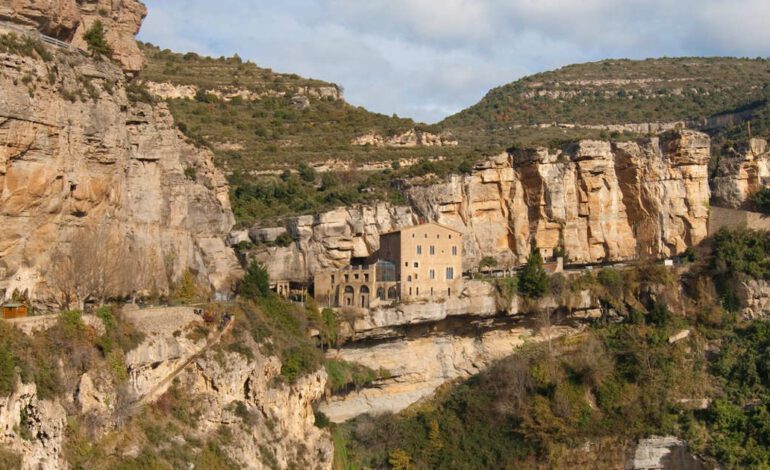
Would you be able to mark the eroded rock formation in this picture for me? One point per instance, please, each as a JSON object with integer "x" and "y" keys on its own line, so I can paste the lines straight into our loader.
{"x": 68, "y": 20}
{"x": 741, "y": 172}
{"x": 33, "y": 428}
{"x": 598, "y": 201}
{"x": 410, "y": 138}
{"x": 78, "y": 157}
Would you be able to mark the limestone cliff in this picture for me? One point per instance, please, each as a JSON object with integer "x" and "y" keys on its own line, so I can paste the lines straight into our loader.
{"x": 596, "y": 200}
{"x": 741, "y": 172}
{"x": 33, "y": 428}
{"x": 77, "y": 156}
{"x": 68, "y": 20}
{"x": 461, "y": 336}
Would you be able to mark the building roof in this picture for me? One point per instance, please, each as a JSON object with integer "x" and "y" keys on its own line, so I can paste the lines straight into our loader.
{"x": 412, "y": 227}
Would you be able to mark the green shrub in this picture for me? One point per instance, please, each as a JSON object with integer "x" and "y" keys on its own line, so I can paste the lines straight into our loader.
{"x": 7, "y": 370}
{"x": 256, "y": 283}
{"x": 307, "y": 173}
{"x": 284, "y": 240}
{"x": 344, "y": 375}
{"x": 191, "y": 173}
{"x": 299, "y": 361}
{"x": 96, "y": 41}
{"x": 487, "y": 263}
{"x": 761, "y": 200}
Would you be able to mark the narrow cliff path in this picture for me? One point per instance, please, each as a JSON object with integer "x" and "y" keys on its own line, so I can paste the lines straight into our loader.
{"x": 161, "y": 387}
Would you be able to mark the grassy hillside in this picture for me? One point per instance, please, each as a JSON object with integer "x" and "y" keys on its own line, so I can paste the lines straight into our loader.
{"x": 617, "y": 92}
{"x": 274, "y": 130}
{"x": 276, "y": 133}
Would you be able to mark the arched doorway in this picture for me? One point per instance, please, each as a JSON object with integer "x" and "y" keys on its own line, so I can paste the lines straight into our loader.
{"x": 392, "y": 293}
{"x": 348, "y": 297}
{"x": 364, "y": 296}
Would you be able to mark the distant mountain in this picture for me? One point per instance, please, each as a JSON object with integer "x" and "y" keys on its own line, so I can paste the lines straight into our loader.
{"x": 257, "y": 119}
{"x": 612, "y": 92}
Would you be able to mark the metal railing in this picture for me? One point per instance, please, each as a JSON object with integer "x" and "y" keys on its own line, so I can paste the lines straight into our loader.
{"x": 35, "y": 34}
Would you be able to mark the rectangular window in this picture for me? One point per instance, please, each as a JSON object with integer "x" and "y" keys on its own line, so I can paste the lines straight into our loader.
{"x": 347, "y": 277}
{"x": 416, "y": 264}
{"x": 417, "y": 291}
{"x": 454, "y": 251}
{"x": 406, "y": 264}
{"x": 332, "y": 278}
{"x": 419, "y": 249}
{"x": 432, "y": 250}
{"x": 355, "y": 276}
{"x": 450, "y": 273}
{"x": 432, "y": 274}
{"x": 366, "y": 277}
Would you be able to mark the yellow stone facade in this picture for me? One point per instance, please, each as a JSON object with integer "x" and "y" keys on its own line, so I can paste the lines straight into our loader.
{"x": 422, "y": 262}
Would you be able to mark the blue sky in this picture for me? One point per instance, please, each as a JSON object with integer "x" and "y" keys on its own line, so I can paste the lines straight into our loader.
{"x": 427, "y": 59}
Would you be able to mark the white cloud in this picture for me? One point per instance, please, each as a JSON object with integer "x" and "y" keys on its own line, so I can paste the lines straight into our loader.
{"x": 430, "y": 58}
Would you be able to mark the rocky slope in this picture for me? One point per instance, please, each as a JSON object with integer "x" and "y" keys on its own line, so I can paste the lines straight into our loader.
{"x": 79, "y": 159}
{"x": 599, "y": 201}
{"x": 268, "y": 423}
{"x": 68, "y": 20}
{"x": 42, "y": 422}
{"x": 741, "y": 172}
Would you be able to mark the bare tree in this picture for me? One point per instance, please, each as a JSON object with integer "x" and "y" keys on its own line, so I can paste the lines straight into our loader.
{"x": 97, "y": 266}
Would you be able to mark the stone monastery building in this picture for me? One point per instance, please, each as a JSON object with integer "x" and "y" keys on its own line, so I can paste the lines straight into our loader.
{"x": 422, "y": 262}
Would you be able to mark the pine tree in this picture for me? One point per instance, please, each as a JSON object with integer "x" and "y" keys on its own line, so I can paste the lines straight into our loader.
{"x": 96, "y": 41}
{"x": 533, "y": 282}
{"x": 256, "y": 282}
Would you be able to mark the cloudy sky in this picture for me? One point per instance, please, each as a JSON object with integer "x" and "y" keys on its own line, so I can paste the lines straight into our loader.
{"x": 427, "y": 59}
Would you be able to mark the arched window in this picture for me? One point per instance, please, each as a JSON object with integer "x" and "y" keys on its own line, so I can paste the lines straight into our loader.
{"x": 364, "y": 296}
{"x": 392, "y": 293}
{"x": 349, "y": 296}
{"x": 409, "y": 278}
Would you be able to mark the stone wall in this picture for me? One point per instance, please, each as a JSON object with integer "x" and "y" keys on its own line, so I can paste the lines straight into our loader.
{"x": 737, "y": 218}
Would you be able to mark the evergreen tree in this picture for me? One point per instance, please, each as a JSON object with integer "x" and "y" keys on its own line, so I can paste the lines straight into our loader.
{"x": 256, "y": 282}
{"x": 96, "y": 41}
{"x": 533, "y": 281}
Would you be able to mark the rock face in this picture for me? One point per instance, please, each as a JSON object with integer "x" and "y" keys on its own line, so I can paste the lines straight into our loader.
{"x": 410, "y": 138}
{"x": 419, "y": 366}
{"x": 754, "y": 296}
{"x": 77, "y": 156}
{"x": 423, "y": 345}
{"x": 282, "y": 434}
{"x": 55, "y": 18}
{"x": 68, "y": 20}
{"x": 664, "y": 453}
{"x": 741, "y": 172}
{"x": 330, "y": 239}
{"x": 596, "y": 200}
{"x": 33, "y": 428}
